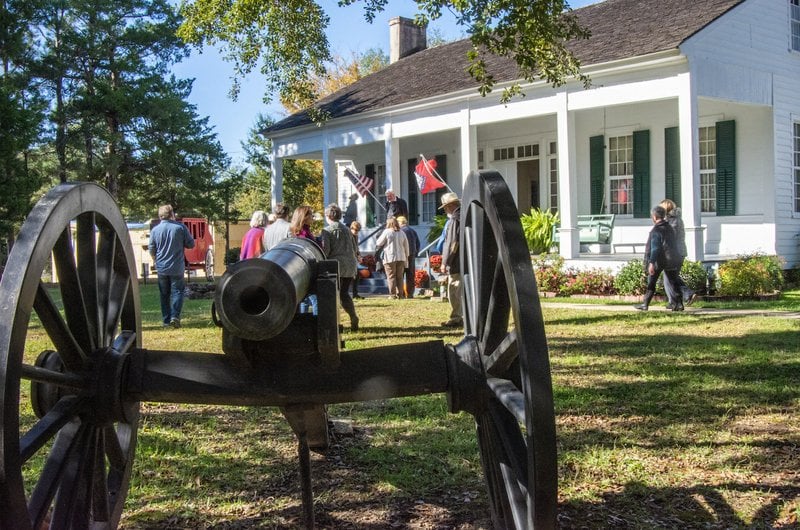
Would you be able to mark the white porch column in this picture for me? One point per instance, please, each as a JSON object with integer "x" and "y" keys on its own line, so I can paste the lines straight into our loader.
{"x": 690, "y": 167}
{"x": 330, "y": 178}
{"x": 570, "y": 246}
{"x": 276, "y": 180}
{"x": 391, "y": 150}
{"x": 469, "y": 147}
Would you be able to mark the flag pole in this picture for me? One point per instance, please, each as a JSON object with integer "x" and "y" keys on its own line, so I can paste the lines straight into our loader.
{"x": 435, "y": 173}
{"x": 370, "y": 193}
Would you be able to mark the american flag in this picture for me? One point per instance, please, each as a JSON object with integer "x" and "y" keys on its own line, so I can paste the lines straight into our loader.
{"x": 362, "y": 183}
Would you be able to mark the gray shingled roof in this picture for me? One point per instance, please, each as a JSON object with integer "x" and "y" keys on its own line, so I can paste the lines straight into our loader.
{"x": 619, "y": 29}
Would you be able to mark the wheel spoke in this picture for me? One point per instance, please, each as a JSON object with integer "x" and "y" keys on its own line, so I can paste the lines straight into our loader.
{"x": 113, "y": 448}
{"x": 501, "y": 359}
{"x": 52, "y": 473}
{"x": 60, "y": 379}
{"x": 116, "y": 303}
{"x": 106, "y": 257}
{"x": 70, "y": 503}
{"x": 514, "y": 447}
{"x": 43, "y": 430}
{"x": 99, "y": 481}
{"x": 86, "y": 252}
{"x": 509, "y": 396}
{"x": 71, "y": 292}
{"x": 70, "y": 351}
{"x": 498, "y": 309}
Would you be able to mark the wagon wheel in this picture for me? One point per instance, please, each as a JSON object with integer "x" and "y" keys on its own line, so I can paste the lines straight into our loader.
{"x": 504, "y": 372}
{"x": 67, "y": 445}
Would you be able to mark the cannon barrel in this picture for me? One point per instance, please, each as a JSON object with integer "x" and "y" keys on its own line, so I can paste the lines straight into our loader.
{"x": 256, "y": 298}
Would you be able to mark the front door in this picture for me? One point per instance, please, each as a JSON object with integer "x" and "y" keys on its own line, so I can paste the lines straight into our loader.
{"x": 528, "y": 194}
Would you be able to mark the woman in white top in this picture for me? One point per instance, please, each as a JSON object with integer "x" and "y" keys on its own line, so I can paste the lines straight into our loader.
{"x": 395, "y": 256}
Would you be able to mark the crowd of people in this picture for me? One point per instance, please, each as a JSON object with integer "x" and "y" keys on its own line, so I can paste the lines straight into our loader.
{"x": 397, "y": 247}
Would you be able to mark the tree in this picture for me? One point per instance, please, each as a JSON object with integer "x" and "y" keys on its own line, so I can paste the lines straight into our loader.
{"x": 174, "y": 158}
{"x": 20, "y": 116}
{"x": 255, "y": 190}
{"x": 287, "y": 42}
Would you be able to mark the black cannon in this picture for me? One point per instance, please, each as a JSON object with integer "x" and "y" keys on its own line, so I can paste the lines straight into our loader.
{"x": 67, "y": 464}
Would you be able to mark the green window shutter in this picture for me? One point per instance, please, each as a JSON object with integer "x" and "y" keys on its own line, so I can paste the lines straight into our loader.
{"x": 413, "y": 193}
{"x": 641, "y": 174}
{"x": 597, "y": 172}
{"x": 369, "y": 170}
{"x": 672, "y": 165}
{"x": 726, "y": 167}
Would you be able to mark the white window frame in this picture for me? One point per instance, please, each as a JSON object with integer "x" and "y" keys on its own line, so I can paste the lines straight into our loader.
{"x": 707, "y": 153}
{"x": 620, "y": 174}
{"x": 796, "y": 165}
{"x": 794, "y": 25}
{"x": 429, "y": 207}
{"x": 552, "y": 174}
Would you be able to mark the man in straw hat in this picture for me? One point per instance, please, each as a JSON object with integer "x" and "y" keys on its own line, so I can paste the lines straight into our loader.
{"x": 451, "y": 205}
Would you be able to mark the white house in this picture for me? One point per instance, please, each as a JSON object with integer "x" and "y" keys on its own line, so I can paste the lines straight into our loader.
{"x": 694, "y": 100}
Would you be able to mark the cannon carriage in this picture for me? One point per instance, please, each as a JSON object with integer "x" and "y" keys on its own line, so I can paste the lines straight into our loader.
{"x": 68, "y": 443}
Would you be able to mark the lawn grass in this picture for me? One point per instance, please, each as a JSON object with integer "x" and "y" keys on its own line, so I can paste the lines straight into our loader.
{"x": 664, "y": 421}
{"x": 789, "y": 300}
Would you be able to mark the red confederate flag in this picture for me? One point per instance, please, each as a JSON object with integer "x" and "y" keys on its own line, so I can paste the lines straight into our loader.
{"x": 426, "y": 180}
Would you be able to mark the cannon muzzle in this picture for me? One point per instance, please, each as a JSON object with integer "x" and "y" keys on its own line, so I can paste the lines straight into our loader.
{"x": 256, "y": 298}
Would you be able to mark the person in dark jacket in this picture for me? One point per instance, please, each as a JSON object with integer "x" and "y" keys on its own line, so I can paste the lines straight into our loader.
{"x": 660, "y": 254}
{"x": 451, "y": 265}
{"x": 675, "y": 221}
{"x": 413, "y": 249}
{"x": 337, "y": 243}
{"x": 395, "y": 206}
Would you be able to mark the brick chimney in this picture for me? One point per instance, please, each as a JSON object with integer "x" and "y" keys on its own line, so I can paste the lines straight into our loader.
{"x": 405, "y": 38}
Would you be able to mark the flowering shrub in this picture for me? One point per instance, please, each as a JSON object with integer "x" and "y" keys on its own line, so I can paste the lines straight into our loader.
{"x": 592, "y": 281}
{"x": 549, "y": 272}
{"x": 421, "y": 278}
{"x": 436, "y": 261}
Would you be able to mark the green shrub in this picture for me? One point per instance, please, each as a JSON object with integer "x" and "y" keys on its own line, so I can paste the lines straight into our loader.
{"x": 750, "y": 275}
{"x": 630, "y": 279}
{"x": 436, "y": 229}
{"x": 538, "y": 229}
{"x": 590, "y": 281}
{"x": 694, "y": 276}
{"x": 549, "y": 272}
{"x": 232, "y": 255}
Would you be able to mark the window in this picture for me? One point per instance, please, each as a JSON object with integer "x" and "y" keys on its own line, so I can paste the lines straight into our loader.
{"x": 708, "y": 169}
{"x": 552, "y": 169}
{"x": 620, "y": 174}
{"x": 796, "y": 166}
{"x": 480, "y": 159}
{"x": 528, "y": 151}
{"x": 795, "y": 20}
{"x": 504, "y": 153}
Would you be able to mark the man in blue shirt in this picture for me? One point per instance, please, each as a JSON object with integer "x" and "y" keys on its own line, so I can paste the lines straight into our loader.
{"x": 167, "y": 241}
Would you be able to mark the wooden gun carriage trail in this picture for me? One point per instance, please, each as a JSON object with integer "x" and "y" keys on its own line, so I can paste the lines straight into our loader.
{"x": 67, "y": 464}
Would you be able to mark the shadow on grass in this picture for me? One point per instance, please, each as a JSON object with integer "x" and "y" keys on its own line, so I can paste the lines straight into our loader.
{"x": 638, "y": 505}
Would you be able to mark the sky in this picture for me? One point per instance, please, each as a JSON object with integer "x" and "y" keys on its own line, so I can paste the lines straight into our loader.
{"x": 348, "y": 32}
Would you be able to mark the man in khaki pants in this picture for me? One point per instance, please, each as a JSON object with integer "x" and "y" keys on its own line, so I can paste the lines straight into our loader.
{"x": 450, "y": 258}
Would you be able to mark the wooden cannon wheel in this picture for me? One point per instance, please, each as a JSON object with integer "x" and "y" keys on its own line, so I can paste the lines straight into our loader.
{"x": 503, "y": 376}
{"x": 67, "y": 439}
